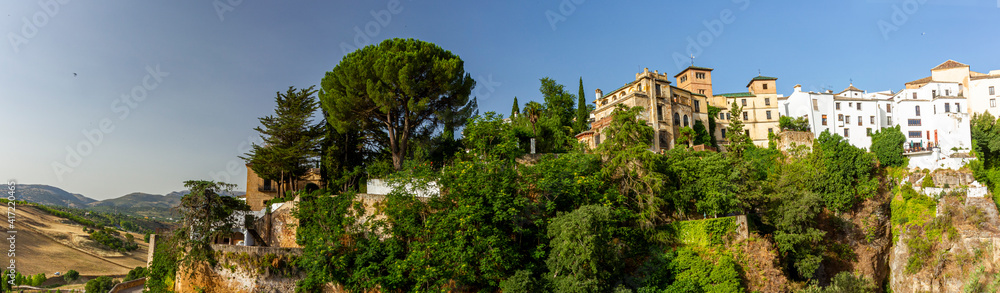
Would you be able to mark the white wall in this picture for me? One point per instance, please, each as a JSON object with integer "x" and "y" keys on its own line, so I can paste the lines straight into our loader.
{"x": 980, "y": 100}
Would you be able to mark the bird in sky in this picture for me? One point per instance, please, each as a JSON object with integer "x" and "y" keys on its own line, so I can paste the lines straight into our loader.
{"x": 74, "y": 74}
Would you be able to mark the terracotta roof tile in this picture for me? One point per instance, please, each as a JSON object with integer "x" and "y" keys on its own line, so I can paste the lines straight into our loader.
{"x": 949, "y": 64}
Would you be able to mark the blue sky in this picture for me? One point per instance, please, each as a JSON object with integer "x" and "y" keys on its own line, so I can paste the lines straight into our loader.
{"x": 220, "y": 64}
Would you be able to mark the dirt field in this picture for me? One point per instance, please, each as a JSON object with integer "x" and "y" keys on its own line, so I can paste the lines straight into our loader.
{"x": 48, "y": 244}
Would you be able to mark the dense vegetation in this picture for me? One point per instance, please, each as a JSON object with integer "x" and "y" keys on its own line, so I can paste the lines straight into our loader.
{"x": 112, "y": 240}
{"x": 579, "y": 221}
{"x": 100, "y": 284}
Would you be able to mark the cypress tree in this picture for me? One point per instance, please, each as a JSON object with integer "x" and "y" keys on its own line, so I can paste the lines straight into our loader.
{"x": 582, "y": 113}
{"x": 514, "y": 111}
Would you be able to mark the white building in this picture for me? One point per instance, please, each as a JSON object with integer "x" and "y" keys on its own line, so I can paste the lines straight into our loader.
{"x": 934, "y": 116}
{"x": 983, "y": 91}
{"x": 852, "y": 113}
{"x": 975, "y": 86}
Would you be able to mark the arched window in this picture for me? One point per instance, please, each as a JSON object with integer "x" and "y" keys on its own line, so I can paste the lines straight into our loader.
{"x": 685, "y": 120}
{"x": 677, "y": 119}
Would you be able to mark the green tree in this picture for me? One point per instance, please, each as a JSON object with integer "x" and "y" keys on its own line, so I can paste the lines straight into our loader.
{"x": 556, "y": 134}
{"x": 100, "y": 284}
{"x": 712, "y": 124}
{"x": 582, "y": 114}
{"x": 291, "y": 139}
{"x": 701, "y": 134}
{"x": 206, "y": 214}
{"x": 136, "y": 273}
{"x": 849, "y": 172}
{"x": 405, "y": 88}
{"x": 795, "y": 209}
{"x": 71, "y": 275}
{"x": 514, "y": 111}
{"x": 38, "y": 279}
{"x": 686, "y": 136}
{"x": 629, "y": 163}
{"x": 581, "y": 259}
{"x": 794, "y": 124}
{"x": 887, "y": 145}
{"x": 533, "y": 110}
{"x": 739, "y": 140}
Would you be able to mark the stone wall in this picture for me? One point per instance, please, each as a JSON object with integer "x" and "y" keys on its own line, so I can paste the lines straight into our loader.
{"x": 234, "y": 275}
{"x": 786, "y": 139}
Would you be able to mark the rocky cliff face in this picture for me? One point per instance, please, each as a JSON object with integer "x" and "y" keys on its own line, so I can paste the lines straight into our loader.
{"x": 957, "y": 251}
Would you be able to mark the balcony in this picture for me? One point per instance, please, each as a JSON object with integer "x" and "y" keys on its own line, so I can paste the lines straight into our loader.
{"x": 266, "y": 188}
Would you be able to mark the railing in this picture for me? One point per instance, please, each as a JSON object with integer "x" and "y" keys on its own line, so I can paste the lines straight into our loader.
{"x": 266, "y": 188}
{"x": 127, "y": 285}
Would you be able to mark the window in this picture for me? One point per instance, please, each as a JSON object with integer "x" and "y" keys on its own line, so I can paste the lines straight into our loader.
{"x": 659, "y": 113}
{"x": 993, "y": 103}
{"x": 824, "y": 120}
{"x": 934, "y": 93}
{"x": 815, "y": 105}
{"x": 913, "y": 122}
{"x": 958, "y": 108}
{"x": 768, "y": 115}
{"x": 914, "y": 95}
{"x": 597, "y": 139}
{"x": 723, "y": 133}
{"x": 947, "y": 107}
{"x": 859, "y": 120}
{"x": 888, "y": 108}
{"x": 840, "y": 117}
{"x": 747, "y": 132}
{"x": 699, "y": 75}
{"x": 657, "y": 90}
{"x": 918, "y": 110}
{"x": 770, "y": 130}
{"x": 869, "y": 131}
{"x": 684, "y": 78}
{"x": 765, "y": 86}
{"x": 701, "y": 92}
{"x": 872, "y": 120}
{"x": 722, "y": 116}
{"x": 697, "y": 106}
{"x": 859, "y": 106}
{"x": 685, "y": 120}
{"x": 991, "y": 91}
{"x": 889, "y": 119}
{"x": 677, "y": 119}
{"x": 767, "y": 101}
{"x": 744, "y": 102}
{"x": 847, "y": 119}
{"x": 838, "y": 106}
{"x": 947, "y": 92}
{"x": 267, "y": 185}
{"x": 914, "y": 134}
{"x": 729, "y": 116}
{"x": 847, "y": 132}
{"x": 745, "y": 116}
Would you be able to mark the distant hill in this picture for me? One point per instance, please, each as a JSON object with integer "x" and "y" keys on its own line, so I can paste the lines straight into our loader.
{"x": 51, "y": 195}
{"x": 135, "y": 204}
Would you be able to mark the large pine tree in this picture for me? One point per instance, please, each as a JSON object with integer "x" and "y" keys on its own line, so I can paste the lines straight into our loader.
{"x": 291, "y": 139}
{"x": 514, "y": 111}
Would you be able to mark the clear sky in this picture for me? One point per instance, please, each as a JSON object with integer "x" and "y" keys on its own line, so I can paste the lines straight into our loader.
{"x": 149, "y": 94}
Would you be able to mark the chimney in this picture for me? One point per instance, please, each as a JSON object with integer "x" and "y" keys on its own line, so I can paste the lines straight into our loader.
{"x": 798, "y": 88}
{"x": 657, "y": 72}
{"x": 599, "y": 93}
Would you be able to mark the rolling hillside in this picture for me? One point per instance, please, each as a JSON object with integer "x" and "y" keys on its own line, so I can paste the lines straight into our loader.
{"x": 51, "y": 195}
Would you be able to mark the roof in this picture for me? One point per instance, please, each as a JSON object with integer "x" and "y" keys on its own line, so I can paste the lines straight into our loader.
{"x": 949, "y": 65}
{"x": 920, "y": 81}
{"x": 693, "y": 67}
{"x": 850, "y": 88}
{"x": 761, "y": 77}
{"x": 618, "y": 89}
{"x": 985, "y": 77}
{"x": 736, "y": 95}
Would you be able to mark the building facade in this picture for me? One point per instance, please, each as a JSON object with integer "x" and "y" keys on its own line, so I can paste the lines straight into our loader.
{"x": 260, "y": 190}
{"x": 853, "y": 114}
{"x": 759, "y": 108}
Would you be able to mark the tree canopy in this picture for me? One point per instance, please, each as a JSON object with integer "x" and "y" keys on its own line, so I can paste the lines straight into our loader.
{"x": 291, "y": 139}
{"x": 406, "y": 89}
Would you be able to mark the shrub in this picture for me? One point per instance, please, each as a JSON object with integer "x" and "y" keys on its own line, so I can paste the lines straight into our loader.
{"x": 100, "y": 284}
{"x": 136, "y": 273}
{"x": 928, "y": 181}
{"x": 887, "y": 145}
{"x": 71, "y": 275}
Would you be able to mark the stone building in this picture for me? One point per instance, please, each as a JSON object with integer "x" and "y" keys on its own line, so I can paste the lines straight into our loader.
{"x": 260, "y": 190}
{"x": 667, "y": 108}
{"x": 760, "y": 108}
